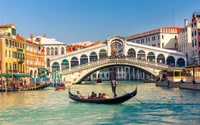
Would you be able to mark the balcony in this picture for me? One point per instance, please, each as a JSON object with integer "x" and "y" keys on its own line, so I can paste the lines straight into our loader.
{"x": 20, "y": 59}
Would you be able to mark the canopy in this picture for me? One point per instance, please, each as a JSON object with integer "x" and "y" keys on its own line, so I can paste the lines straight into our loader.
{"x": 15, "y": 75}
{"x": 6, "y": 75}
{"x": 43, "y": 69}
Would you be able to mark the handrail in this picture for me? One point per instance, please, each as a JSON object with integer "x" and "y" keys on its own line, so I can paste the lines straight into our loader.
{"x": 123, "y": 60}
{"x": 79, "y": 51}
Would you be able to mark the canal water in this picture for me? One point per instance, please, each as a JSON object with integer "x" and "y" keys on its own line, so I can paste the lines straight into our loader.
{"x": 159, "y": 105}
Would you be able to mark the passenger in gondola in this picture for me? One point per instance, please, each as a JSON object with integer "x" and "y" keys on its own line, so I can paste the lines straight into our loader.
{"x": 79, "y": 94}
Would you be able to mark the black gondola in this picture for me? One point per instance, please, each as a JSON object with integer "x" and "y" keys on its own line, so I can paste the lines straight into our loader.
{"x": 40, "y": 87}
{"x": 115, "y": 100}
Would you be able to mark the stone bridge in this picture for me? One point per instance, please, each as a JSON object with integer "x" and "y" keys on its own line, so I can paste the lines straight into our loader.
{"x": 79, "y": 73}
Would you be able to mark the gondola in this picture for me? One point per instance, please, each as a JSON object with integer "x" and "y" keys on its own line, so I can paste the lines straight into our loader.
{"x": 115, "y": 100}
{"x": 60, "y": 87}
{"x": 39, "y": 87}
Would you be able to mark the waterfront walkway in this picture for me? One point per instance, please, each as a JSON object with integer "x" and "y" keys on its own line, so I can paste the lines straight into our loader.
{"x": 180, "y": 86}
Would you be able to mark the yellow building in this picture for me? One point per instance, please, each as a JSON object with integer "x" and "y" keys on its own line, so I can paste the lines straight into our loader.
{"x": 12, "y": 52}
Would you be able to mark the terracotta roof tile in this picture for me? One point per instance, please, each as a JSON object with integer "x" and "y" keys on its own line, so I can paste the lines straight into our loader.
{"x": 6, "y": 25}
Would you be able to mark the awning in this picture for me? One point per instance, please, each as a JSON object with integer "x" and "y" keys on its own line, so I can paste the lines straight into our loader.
{"x": 15, "y": 75}
{"x": 6, "y": 75}
{"x": 21, "y": 75}
{"x": 43, "y": 69}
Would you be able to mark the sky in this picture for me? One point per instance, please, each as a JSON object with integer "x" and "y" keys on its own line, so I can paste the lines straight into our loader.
{"x": 72, "y": 21}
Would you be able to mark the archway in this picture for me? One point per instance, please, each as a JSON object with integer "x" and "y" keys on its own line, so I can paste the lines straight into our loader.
{"x": 74, "y": 61}
{"x": 55, "y": 67}
{"x": 131, "y": 53}
{"x": 117, "y": 48}
{"x": 64, "y": 64}
{"x": 102, "y": 54}
{"x": 180, "y": 62}
{"x": 161, "y": 58}
{"x": 84, "y": 59}
{"x": 93, "y": 56}
{"x": 171, "y": 61}
{"x": 31, "y": 73}
{"x": 151, "y": 56}
{"x": 141, "y": 55}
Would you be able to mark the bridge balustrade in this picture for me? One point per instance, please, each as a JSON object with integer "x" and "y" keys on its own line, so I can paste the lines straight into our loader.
{"x": 123, "y": 60}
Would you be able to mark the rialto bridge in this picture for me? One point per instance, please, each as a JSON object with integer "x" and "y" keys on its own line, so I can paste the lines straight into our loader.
{"x": 115, "y": 51}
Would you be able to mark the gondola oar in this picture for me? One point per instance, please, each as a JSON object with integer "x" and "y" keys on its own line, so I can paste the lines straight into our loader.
{"x": 126, "y": 92}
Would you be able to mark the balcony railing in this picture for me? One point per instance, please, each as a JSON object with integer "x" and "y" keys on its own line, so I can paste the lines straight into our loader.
{"x": 20, "y": 59}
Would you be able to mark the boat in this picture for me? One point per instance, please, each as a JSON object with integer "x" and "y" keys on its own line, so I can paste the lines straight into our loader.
{"x": 60, "y": 87}
{"x": 149, "y": 81}
{"x": 39, "y": 87}
{"x": 116, "y": 100}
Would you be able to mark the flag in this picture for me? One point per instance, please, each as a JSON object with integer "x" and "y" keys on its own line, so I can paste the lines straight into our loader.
{"x": 38, "y": 48}
{"x": 43, "y": 50}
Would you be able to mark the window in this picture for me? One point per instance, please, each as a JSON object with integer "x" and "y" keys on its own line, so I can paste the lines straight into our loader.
{"x": 10, "y": 42}
{"x": 162, "y": 36}
{"x": 48, "y": 53}
{"x": 6, "y": 53}
{"x": 195, "y": 42}
{"x": 158, "y": 37}
{"x": 192, "y": 43}
{"x": 13, "y": 31}
{"x": 62, "y": 50}
{"x": 6, "y": 42}
{"x": 52, "y": 51}
{"x": 56, "y": 51}
{"x": 162, "y": 45}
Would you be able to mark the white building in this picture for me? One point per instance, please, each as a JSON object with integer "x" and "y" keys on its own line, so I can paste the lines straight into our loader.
{"x": 165, "y": 37}
{"x": 189, "y": 39}
{"x": 52, "y": 48}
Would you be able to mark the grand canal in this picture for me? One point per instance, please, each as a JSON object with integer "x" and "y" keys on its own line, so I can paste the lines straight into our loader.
{"x": 159, "y": 106}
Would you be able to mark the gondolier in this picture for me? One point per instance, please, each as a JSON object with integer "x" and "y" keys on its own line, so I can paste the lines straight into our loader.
{"x": 114, "y": 85}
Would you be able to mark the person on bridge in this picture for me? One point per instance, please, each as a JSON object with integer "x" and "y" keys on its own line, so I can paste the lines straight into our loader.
{"x": 114, "y": 85}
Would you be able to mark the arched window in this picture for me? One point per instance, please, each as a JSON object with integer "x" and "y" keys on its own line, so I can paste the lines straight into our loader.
{"x": 48, "y": 51}
{"x": 56, "y": 51}
{"x": 52, "y": 51}
{"x": 48, "y": 62}
{"x": 62, "y": 51}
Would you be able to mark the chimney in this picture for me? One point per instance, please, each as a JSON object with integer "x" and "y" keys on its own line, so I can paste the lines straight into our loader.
{"x": 185, "y": 22}
{"x": 39, "y": 40}
{"x": 31, "y": 37}
{"x": 45, "y": 36}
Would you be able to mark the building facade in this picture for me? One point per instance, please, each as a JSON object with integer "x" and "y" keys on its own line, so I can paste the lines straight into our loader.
{"x": 189, "y": 39}
{"x": 13, "y": 52}
{"x": 165, "y": 37}
{"x": 35, "y": 58}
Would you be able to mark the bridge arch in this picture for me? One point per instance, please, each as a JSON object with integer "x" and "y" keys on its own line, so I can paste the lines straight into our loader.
{"x": 64, "y": 64}
{"x": 180, "y": 62}
{"x": 93, "y": 56}
{"x": 141, "y": 54}
{"x": 74, "y": 61}
{"x": 131, "y": 52}
{"x": 171, "y": 60}
{"x": 55, "y": 67}
{"x": 84, "y": 75}
{"x": 161, "y": 58}
{"x": 151, "y": 56}
{"x": 83, "y": 59}
{"x": 102, "y": 53}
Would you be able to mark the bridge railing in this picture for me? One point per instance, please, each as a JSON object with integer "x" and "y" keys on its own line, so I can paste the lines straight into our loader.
{"x": 122, "y": 60}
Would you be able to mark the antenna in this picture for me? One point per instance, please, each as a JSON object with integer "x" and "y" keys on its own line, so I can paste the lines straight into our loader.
{"x": 172, "y": 18}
